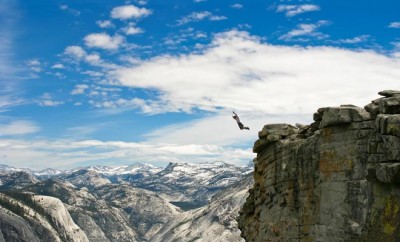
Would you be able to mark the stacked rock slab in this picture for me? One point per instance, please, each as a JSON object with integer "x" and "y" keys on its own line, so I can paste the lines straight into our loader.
{"x": 337, "y": 179}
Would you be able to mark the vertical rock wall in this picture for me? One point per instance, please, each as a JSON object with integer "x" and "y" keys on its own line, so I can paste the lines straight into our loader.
{"x": 337, "y": 179}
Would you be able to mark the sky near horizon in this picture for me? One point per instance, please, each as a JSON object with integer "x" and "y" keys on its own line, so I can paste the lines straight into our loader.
{"x": 116, "y": 82}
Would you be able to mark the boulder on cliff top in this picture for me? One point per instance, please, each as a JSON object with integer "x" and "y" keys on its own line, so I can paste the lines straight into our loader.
{"x": 343, "y": 115}
{"x": 389, "y": 105}
{"x": 281, "y": 129}
{"x": 389, "y": 93}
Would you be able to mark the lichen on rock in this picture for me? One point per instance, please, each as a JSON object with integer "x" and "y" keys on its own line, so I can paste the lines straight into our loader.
{"x": 336, "y": 179}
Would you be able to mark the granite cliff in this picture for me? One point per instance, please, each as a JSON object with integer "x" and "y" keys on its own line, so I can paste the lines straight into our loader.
{"x": 336, "y": 179}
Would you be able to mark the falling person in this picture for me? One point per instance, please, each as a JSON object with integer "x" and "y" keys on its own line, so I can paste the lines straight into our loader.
{"x": 241, "y": 126}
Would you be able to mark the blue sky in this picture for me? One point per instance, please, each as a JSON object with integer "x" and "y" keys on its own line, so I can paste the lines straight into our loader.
{"x": 114, "y": 82}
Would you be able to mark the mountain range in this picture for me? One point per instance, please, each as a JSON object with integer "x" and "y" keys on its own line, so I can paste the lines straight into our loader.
{"x": 139, "y": 202}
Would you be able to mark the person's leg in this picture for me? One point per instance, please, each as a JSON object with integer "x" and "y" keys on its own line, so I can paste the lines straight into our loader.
{"x": 240, "y": 125}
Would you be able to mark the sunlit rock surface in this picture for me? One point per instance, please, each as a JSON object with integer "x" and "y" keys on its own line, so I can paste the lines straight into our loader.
{"x": 336, "y": 179}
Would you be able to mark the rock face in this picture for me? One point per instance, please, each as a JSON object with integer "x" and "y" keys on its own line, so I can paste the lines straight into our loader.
{"x": 212, "y": 223}
{"x": 334, "y": 180}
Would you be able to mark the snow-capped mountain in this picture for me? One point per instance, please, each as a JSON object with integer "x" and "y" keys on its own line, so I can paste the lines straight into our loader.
{"x": 126, "y": 203}
{"x": 193, "y": 184}
{"x": 47, "y": 173}
{"x": 4, "y": 169}
{"x": 136, "y": 168}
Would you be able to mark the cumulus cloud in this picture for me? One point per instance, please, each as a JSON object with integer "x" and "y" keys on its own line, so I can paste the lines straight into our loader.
{"x": 129, "y": 12}
{"x": 293, "y": 10}
{"x": 19, "y": 127}
{"x": 104, "y": 24}
{"x": 79, "y": 89}
{"x": 132, "y": 29}
{"x": 306, "y": 30}
{"x": 395, "y": 25}
{"x": 237, "y": 6}
{"x": 104, "y": 41}
{"x": 75, "y": 52}
{"x": 199, "y": 16}
{"x": 238, "y": 71}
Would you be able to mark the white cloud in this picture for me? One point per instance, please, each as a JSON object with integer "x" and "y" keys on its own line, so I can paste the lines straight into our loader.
{"x": 33, "y": 62}
{"x": 237, "y": 6}
{"x": 46, "y": 100}
{"x": 79, "y": 89}
{"x": 104, "y": 24}
{"x": 355, "y": 40}
{"x": 19, "y": 127}
{"x": 293, "y": 10}
{"x": 131, "y": 29}
{"x": 75, "y": 51}
{"x": 103, "y": 41}
{"x": 199, "y": 16}
{"x": 142, "y": 2}
{"x": 129, "y": 12}
{"x": 92, "y": 58}
{"x": 58, "y": 66}
{"x": 305, "y": 30}
{"x": 238, "y": 71}
{"x": 217, "y": 18}
{"x": 395, "y": 25}
{"x": 34, "y": 65}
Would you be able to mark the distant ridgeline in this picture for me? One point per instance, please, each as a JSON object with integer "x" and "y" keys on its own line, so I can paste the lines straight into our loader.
{"x": 334, "y": 180}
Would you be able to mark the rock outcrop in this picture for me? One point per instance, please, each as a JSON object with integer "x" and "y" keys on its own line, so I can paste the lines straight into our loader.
{"x": 334, "y": 180}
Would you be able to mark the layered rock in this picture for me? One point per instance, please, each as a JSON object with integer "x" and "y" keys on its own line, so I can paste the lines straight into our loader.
{"x": 334, "y": 180}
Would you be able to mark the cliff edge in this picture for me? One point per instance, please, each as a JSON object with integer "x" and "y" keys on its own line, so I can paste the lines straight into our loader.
{"x": 334, "y": 180}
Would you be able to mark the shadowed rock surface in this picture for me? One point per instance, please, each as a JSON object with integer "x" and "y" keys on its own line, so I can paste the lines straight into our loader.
{"x": 336, "y": 179}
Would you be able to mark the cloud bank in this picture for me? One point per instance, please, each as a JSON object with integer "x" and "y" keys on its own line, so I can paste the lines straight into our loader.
{"x": 238, "y": 71}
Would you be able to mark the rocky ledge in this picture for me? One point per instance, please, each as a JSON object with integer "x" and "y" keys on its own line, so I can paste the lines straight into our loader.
{"x": 337, "y": 179}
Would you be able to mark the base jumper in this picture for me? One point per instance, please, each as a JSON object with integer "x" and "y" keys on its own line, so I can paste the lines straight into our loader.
{"x": 241, "y": 126}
